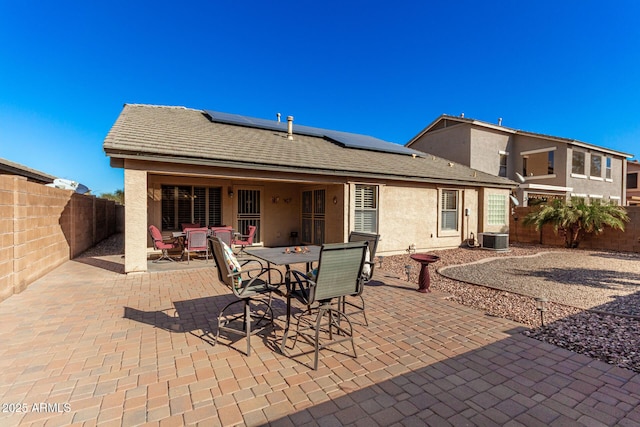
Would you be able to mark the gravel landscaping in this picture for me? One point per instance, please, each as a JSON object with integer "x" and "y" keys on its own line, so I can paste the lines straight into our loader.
{"x": 505, "y": 284}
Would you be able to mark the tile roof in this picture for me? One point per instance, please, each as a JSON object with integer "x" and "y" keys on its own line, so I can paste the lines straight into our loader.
{"x": 183, "y": 135}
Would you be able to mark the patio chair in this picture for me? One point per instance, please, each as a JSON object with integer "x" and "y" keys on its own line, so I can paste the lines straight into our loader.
{"x": 196, "y": 241}
{"x": 338, "y": 274}
{"x": 160, "y": 245}
{"x": 185, "y": 225}
{"x": 367, "y": 272}
{"x": 252, "y": 287}
{"x": 245, "y": 240}
{"x": 225, "y": 233}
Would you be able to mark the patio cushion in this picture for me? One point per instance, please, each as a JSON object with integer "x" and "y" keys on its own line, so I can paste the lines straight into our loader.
{"x": 366, "y": 268}
{"x": 233, "y": 263}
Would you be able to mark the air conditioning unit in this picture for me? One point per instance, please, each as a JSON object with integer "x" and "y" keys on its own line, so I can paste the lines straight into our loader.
{"x": 494, "y": 241}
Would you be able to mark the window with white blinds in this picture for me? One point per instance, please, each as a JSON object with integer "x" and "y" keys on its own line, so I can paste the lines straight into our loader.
{"x": 366, "y": 208}
{"x": 449, "y": 210}
{"x": 187, "y": 204}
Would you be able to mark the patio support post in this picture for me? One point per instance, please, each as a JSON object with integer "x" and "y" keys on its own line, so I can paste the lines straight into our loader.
{"x": 135, "y": 220}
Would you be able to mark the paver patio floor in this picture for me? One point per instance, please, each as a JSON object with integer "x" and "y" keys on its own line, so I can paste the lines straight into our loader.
{"x": 101, "y": 348}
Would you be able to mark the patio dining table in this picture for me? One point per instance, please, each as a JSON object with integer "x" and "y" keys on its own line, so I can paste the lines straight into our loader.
{"x": 287, "y": 256}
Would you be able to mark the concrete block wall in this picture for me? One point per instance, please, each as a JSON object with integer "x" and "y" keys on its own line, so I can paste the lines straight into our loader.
{"x": 613, "y": 240}
{"x": 42, "y": 227}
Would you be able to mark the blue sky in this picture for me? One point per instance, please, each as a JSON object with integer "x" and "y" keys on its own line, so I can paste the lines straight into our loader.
{"x": 386, "y": 69}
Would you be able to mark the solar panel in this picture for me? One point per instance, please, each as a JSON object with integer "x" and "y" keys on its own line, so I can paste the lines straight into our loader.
{"x": 345, "y": 139}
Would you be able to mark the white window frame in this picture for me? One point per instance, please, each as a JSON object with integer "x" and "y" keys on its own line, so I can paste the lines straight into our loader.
{"x": 366, "y": 204}
{"x": 608, "y": 169}
{"x": 445, "y": 232}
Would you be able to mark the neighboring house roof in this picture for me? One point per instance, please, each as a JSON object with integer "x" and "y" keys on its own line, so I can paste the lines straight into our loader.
{"x": 513, "y": 131}
{"x": 12, "y": 168}
{"x": 190, "y": 136}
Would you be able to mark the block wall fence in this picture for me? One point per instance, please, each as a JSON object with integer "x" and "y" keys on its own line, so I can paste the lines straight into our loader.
{"x": 612, "y": 240}
{"x": 42, "y": 227}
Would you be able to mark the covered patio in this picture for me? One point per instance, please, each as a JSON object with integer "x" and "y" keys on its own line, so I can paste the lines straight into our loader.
{"x": 129, "y": 350}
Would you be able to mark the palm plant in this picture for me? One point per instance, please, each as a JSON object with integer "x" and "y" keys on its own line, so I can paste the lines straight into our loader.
{"x": 575, "y": 218}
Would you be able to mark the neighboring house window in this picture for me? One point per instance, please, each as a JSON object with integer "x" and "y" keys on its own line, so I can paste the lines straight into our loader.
{"x": 538, "y": 163}
{"x": 449, "y": 210}
{"x": 577, "y": 162}
{"x": 632, "y": 180}
{"x": 596, "y": 165}
{"x": 503, "y": 165}
{"x": 366, "y": 209}
{"x": 187, "y": 204}
{"x": 496, "y": 212}
{"x": 608, "y": 167}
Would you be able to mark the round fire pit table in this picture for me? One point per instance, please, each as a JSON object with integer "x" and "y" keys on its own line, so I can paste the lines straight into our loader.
{"x": 424, "y": 281}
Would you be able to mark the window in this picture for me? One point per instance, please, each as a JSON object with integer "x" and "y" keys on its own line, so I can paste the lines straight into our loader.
{"x": 366, "y": 209}
{"x": 496, "y": 211}
{"x": 503, "y": 165}
{"x": 632, "y": 180}
{"x": 608, "y": 167}
{"x": 186, "y": 204}
{"x": 449, "y": 210}
{"x": 596, "y": 165}
{"x": 577, "y": 163}
{"x": 540, "y": 163}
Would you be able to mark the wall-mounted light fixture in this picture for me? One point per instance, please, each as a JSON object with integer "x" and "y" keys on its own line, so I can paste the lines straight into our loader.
{"x": 335, "y": 200}
{"x": 230, "y": 192}
{"x": 287, "y": 199}
{"x": 275, "y": 199}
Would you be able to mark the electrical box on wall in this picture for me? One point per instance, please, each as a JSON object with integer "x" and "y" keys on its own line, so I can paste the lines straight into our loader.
{"x": 467, "y": 211}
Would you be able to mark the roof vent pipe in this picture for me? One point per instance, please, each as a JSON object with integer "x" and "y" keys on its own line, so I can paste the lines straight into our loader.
{"x": 499, "y": 121}
{"x": 278, "y": 116}
{"x": 290, "y": 128}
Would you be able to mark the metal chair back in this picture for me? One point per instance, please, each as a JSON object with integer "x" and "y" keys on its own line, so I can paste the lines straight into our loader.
{"x": 339, "y": 270}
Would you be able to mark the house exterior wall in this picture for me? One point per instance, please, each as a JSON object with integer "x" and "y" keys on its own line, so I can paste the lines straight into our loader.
{"x": 485, "y": 147}
{"x": 479, "y": 147}
{"x": 136, "y": 228}
{"x": 452, "y": 143}
{"x": 597, "y": 187}
{"x": 408, "y": 213}
{"x": 633, "y": 194}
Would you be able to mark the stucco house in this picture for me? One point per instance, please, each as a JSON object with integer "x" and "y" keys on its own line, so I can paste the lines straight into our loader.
{"x": 547, "y": 167}
{"x": 295, "y": 183}
{"x": 633, "y": 189}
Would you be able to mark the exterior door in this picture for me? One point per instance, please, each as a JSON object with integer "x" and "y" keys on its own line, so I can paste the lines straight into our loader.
{"x": 249, "y": 207}
{"x": 313, "y": 216}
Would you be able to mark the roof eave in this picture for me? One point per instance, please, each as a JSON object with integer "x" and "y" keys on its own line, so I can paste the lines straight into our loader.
{"x": 256, "y": 166}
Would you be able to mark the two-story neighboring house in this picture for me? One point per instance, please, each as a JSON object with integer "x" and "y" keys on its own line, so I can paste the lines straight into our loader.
{"x": 547, "y": 166}
{"x": 633, "y": 189}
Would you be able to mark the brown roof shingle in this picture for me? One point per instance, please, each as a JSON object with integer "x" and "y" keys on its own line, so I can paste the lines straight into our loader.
{"x": 180, "y": 134}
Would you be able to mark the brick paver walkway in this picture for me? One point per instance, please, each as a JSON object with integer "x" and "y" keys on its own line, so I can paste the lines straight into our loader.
{"x": 88, "y": 346}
